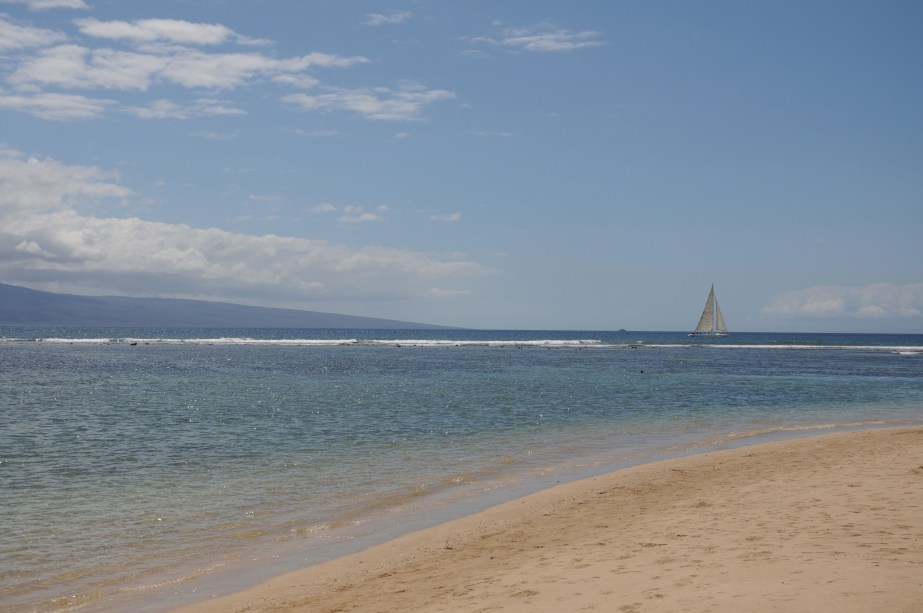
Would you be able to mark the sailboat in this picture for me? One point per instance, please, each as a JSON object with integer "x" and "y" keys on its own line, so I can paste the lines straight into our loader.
{"x": 712, "y": 321}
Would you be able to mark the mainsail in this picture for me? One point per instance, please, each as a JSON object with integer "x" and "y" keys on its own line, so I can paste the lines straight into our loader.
{"x": 712, "y": 321}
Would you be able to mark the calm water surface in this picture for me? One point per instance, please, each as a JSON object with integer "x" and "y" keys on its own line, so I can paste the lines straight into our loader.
{"x": 145, "y": 468}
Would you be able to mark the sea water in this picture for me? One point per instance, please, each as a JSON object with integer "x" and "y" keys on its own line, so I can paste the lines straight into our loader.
{"x": 143, "y": 469}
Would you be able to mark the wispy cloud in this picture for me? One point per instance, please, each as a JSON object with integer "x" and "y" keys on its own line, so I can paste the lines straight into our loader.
{"x": 349, "y": 213}
{"x": 166, "y": 109}
{"x": 446, "y": 218}
{"x": 264, "y": 198}
{"x": 177, "y": 53}
{"x": 377, "y": 19}
{"x": 323, "y": 207}
{"x": 61, "y": 107}
{"x": 356, "y": 214}
{"x": 545, "y": 37}
{"x": 360, "y": 218}
{"x": 74, "y": 66}
{"x": 403, "y": 104}
{"x": 44, "y": 5}
{"x": 15, "y": 36}
{"x": 875, "y": 301}
{"x": 476, "y": 54}
{"x": 157, "y": 30}
{"x": 163, "y": 52}
{"x": 47, "y": 240}
{"x": 217, "y": 136}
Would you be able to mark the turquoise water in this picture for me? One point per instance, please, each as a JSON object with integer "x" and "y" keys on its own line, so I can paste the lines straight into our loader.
{"x": 142, "y": 469}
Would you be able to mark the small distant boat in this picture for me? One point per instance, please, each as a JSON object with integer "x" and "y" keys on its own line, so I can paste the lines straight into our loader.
{"x": 712, "y": 321}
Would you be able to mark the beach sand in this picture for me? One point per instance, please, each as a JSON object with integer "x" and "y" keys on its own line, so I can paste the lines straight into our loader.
{"x": 830, "y": 523}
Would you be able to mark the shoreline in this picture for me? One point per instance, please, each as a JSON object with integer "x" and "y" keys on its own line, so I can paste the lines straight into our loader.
{"x": 831, "y": 522}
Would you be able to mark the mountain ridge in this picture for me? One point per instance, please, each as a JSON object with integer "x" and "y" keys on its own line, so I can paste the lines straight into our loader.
{"x": 21, "y": 306}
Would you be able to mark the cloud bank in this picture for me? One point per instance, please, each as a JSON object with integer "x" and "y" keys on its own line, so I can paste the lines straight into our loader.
{"x": 875, "y": 301}
{"x": 48, "y": 241}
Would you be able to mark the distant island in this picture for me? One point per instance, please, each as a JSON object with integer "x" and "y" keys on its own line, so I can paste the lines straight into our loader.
{"x": 20, "y": 306}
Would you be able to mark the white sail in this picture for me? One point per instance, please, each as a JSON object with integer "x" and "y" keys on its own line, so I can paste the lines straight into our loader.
{"x": 719, "y": 319}
{"x": 711, "y": 323}
{"x": 707, "y": 321}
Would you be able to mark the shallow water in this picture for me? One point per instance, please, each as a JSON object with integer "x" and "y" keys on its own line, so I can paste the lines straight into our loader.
{"x": 143, "y": 468}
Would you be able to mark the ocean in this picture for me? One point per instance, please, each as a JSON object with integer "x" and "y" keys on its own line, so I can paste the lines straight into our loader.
{"x": 143, "y": 469}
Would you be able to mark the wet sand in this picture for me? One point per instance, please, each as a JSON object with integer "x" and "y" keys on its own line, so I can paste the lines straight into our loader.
{"x": 830, "y": 523}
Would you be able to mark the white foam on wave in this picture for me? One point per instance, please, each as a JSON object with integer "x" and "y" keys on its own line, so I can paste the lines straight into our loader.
{"x": 908, "y": 350}
{"x": 199, "y": 341}
{"x": 299, "y": 342}
{"x": 310, "y": 342}
{"x": 483, "y": 343}
{"x": 80, "y": 341}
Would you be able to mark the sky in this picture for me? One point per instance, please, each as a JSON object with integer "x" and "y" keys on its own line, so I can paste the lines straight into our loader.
{"x": 587, "y": 165}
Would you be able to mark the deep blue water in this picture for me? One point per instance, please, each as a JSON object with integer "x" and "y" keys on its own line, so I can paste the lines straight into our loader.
{"x": 136, "y": 465}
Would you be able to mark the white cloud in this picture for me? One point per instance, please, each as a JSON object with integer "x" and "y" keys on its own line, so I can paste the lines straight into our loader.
{"x": 323, "y": 207}
{"x": 875, "y": 301}
{"x": 195, "y": 69}
{"x": 403, "y": 104}
{"x": 65, "y": 107}
{"x": 264, "y": 198}
{"x": 229, "y": 70}
{"x": 62, "y": 107}
{"x": 301, "y": 81}
{"x": 545, "y": 37}
{"x": 42, "y": 5}
{"x": 157, "y": 30}
{"x": 446, "y": 218}
{"x": 32, "y": 185}
{"x": 46, "y": 239}
{"x": 376, "y": 19}
{"x": 13, "y": 36}
{"x": 32, "y": 248}
{"x": 355, "y": 214}
{"x": 76, "y": 67}
{"x": 476, "y": 54}
{"x": 73, "y": 66}
{"x": 166, "y": 109}
{"x": 360, "y": 218}
{"x": 217, "y": 136}
{"x": 167, "y": 52}
{"x": 325, "y": 60}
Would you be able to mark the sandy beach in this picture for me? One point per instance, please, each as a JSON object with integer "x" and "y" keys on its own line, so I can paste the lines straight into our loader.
{"x": 829, "y": 523}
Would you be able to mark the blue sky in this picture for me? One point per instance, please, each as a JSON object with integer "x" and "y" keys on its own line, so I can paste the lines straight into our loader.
{"x": 571, "y": 165}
